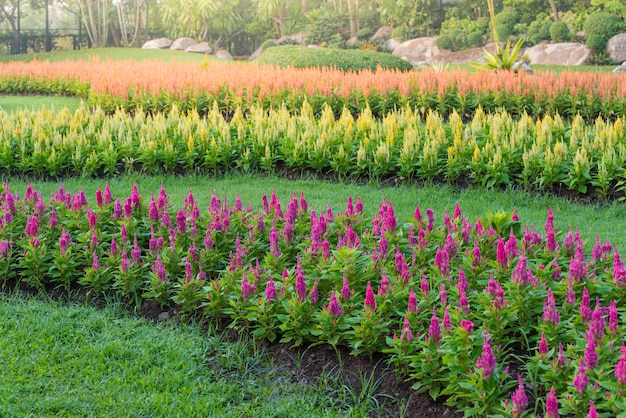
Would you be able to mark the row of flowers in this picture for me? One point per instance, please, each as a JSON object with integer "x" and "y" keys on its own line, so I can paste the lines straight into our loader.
{"x": 501, "y": 319}
{"x": 157, "y": 87}
{"x": 489, "y": 150}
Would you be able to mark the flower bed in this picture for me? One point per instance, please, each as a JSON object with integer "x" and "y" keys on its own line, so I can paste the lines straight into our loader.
{"x": 155, "y": 87}
{"x": 498, "y": 317}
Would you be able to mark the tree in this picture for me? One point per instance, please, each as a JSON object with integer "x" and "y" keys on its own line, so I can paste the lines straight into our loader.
{"x": 9, "y": 10}
{"x": 94, "y": 15}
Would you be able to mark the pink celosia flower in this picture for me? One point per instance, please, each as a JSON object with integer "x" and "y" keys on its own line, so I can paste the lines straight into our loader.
{"x": 53, "y": 222}
{"x": 384, "y": 288}
{"x": 550, "y": 311}
{"x": 64, "y": 241}
{"x": 125, "y": 264}
{"x": 581, "y": 380}
{"x": 591, "y": 356}
{"x": 434, "y": 331}
{"x": 487, "y": 361}
{"x": 552, "y": 404}
{"x": 447, "y": 324}
{"x": 274, "y": 249}
{"x": 107, "y": 198}
{"x": 443, "y": 294}
{"x": 300, "y": 283}
{"x": 424, "y": 286}
{"x": 412, "y": 302}
{"x": 406, "y": 334}
{"x": 345, "y": 289}
{"x": 519, "y": 398}
{"x": 333, "y": 306}
{"x": 467, "y": 325}
{"x": 501, "y": 257}
{"x": 314, "y": 293}
{"x": 113, "y": 246}
{"x": 95, "y": 264}
{"x": 430, "y": 216}
{"x": 620, "y": 368}
{"x": 592, "y": 410}
{"x": 510, "y": 246}
{"x": 135, "y": 253}
{"x": 613, "y": 317}
{"x": 370, "y": 300}
{"x": 543, "y": 345}
{"x": 560, "y": 359}
{"x": 584, "y": 308}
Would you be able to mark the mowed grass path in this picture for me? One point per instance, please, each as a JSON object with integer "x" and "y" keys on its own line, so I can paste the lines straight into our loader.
{"x": 65, "y": 360}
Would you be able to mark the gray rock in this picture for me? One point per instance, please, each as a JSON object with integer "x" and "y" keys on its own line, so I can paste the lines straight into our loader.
{"x": 619, "y": 69}
{"x": 352, "y": 41}
{"x": 298, "y": 38}
{"x": 382, "y": 34}
{"x": 522, "y": 65}
{"x": 182, "y": 43}
{"x": 201, "y": 48}
{"x": 565, "y": 53}
{"x": 256, "y": 54}
{"x": 616, "y": 48}
{"x": 415, "y": 50}
{"x": 391, "y": 44}
{"x": 223, "y": 54}
{"x": 159, "y": 43}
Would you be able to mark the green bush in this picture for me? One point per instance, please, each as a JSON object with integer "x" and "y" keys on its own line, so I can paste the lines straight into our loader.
{"x": 538, "y": 31}
{"x": 503, "y": 32}
{"x": 444, "y": 42}
{"x": 475, "y": 39}
{"x": 364, "y": 33}
{"x": 347, "y": 60}
{"x": 599, "y": 27}
{"x": 559, "y": 32}
{"x": 402, "y": 33}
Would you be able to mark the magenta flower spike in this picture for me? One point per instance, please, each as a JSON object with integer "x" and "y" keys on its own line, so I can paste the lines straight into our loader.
{"x": 447, "y": 223}
{"x": 188, "y": 270}
{"x": 501, "y": 254}
{"x": 107, "y": 198}
{"x": 136, "y": 251}
{"x": 560, "y": 359}
{"x": 467, "y": 325}
{"x": 443, "y": 295}
{"x": 447, "y": 324}
{"x": 430, "y": 216}
{"x": 406, "y": 334}
{"x": 125, "y": 263}
{"x": 153, "y": 212}
{"x": 591, "y": 356}
{"x": 519, "y": 398}
{"x": 585, "y": 310}
{"x": 304, "y": 205}
{"x": 417, "y": 214}
{"x": 95, "y": 264}
{"x": 99, "y": 198}
{"x": 181, "y": 221}
{"x": 543, "y": 345}
{"x": 300, "y": 283}
{"x": 487, "y": 361}
{"x": 620, "y": 368}
{"x": 619, "y": 273}
{"x": 550, "y": 311}
{"x": 370, "y": 299}
{"x": 288, "y": 232}
{"x": 596, "y": 252}
{"x": 358, "y": 206}
{"x": 333, "y": 306}
{"x": 53, "y": 222}
{"x": 412, "y": 302}
{"x": 349, "y": 208}
{"x": 135, "y": 199}
{"x": 434, "y": 331}
{"x": 596, "y": 325}
{"x": 274, "y": 249}
{"x": 511, "y": 247}
{"x": 314, "y": 293}
{"x": 552, "y": 404}
{"x": 457, "y": 211}
{"x": 113, "y": 246}
{"x": 424, "y": 287}
{"x": 345, "y": 290}
{"x": 581, "y": 380}
{"x": 613, "y": 317}
{"x": 384, "y": 287}
{"x": 592, "y": 410}
{"x": 514, "y": 216}
{"x": 270, "y": 290}
{"x": 64, "y": 241}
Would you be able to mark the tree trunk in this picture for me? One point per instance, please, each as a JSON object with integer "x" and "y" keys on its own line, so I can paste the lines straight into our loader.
{"x": 555, "y": 12}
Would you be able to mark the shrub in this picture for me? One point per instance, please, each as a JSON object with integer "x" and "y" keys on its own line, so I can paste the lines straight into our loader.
{"x": 599, "y": 27}
{"x": 347, "y": 60}
{"x": 402, "y": 33}
{"x": 559, "y": 32}
{"x": 538, "y": 31}
{"x": 475, "y": 39}
{"x": 444, "y": 42}
{"x": 503, "y": 32}
{"x": 364, "y": 33}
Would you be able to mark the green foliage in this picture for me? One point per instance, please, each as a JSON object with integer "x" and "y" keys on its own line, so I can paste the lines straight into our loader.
{"x": 347, "y": 60}
{"x": 268, "y": 44}
{"x": 503, "y": 58}
{"x": 325, "y": 23}
{"x": 475, "y": 39}
{"x": 559, "y": 32}
{"x": 445, "y": 42}
{"x": 539, "y": 30}
{"x": 402, "y": 33}
{"x": 364, "y": 33}
{"x": 600, "y": 27}
{"x": 456, "y": 33}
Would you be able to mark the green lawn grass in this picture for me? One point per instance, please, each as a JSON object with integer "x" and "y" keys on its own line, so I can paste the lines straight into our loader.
{"x": 115, "y": 54}
{"x": 12, "y": 103}
{"x": 65, "y": 360}
{"x": 607, "y": 220}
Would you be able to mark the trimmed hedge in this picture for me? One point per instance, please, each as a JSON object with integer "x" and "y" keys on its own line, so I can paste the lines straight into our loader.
{"x": 341, "y": 59}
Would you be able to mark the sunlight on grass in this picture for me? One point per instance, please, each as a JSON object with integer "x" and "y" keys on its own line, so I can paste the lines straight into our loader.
{"x": 11, "y": 103}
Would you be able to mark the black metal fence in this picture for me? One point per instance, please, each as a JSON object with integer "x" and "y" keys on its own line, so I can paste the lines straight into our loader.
{"x": 37, "y": 41}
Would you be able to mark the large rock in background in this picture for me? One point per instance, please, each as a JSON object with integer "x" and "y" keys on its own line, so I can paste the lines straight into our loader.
{"x": 616, "y": 48}
{"x": 223, "y": 54}
{"x": 416, "y": 50}
{"x": 201, "y": 48}
{"x": 159, "y": 43}
{"x": 298, "y": 38}
{"x": 382, "y": 34}
{"x": 256, "y": 54}
{"x": 392, "y": 44}
{"x": 565, "y": 53}
{"x": 182, "y": 43}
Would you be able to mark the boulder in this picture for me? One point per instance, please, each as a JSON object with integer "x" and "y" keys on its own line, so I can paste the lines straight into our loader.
{"x": 391, "y": 44}
{"x": 298, "y": 38}
{"x": 352, "y": 41}
{"x": 619, "y": 69}
{"x": 223, "y": 54}
{"x": 382, "y": 34}
{"x": 415, "y": 50}
{"x": 182, "y": 43}
{"x": 616, "y": 48}
{"x": 159, "y": 43}
{"x": 565, "y": 53}
{"x": 201, "y": 48}
{"x": 256, "y": 54}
